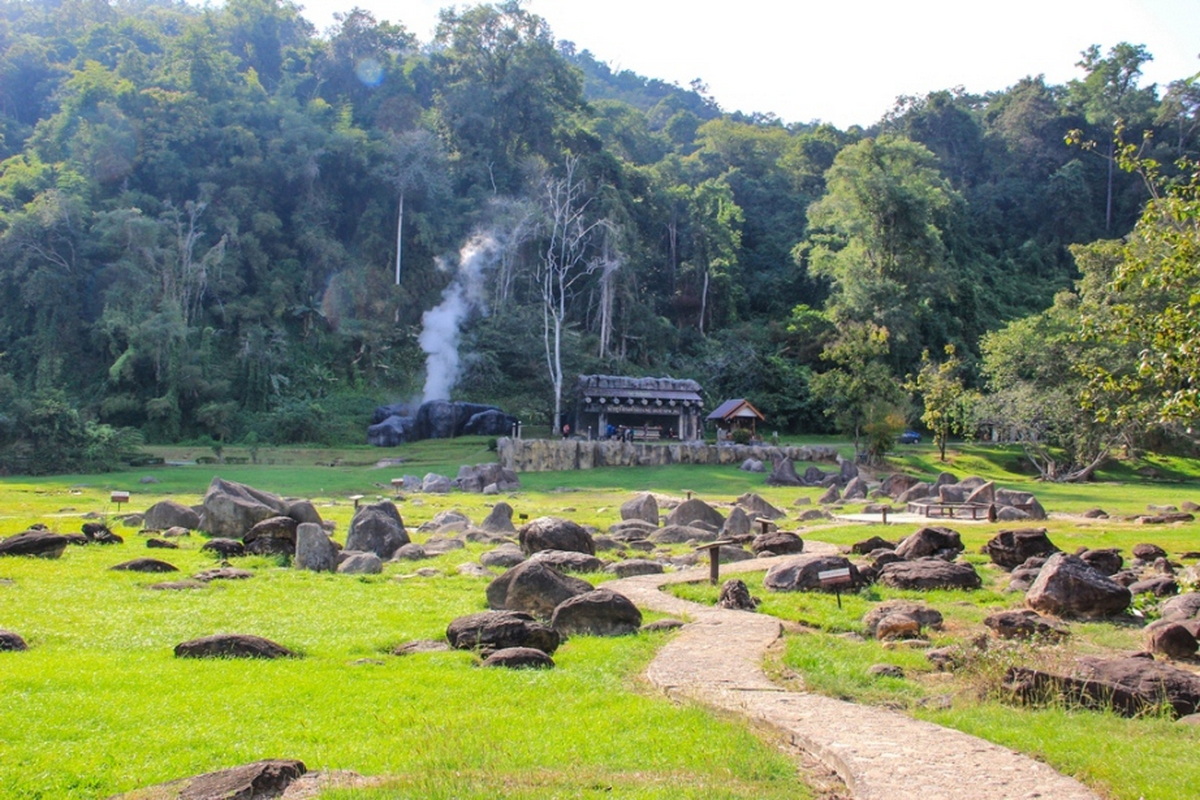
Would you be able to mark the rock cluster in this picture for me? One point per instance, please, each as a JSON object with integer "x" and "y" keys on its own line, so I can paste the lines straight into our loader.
{"x": 436, "y": 419}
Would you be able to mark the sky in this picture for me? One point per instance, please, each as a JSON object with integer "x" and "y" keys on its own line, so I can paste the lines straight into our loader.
{"x": 842, "y": 62}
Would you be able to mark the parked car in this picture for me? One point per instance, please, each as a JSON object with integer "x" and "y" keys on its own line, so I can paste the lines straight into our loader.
{"x": 909, "y": 437}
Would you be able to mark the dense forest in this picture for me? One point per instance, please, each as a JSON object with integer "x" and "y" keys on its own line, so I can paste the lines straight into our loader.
{"x": 216, "y": 224}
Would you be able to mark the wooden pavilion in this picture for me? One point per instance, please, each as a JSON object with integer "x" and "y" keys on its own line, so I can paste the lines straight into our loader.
{"x": 609, "y": 406}
{"x": 736, "y": 414}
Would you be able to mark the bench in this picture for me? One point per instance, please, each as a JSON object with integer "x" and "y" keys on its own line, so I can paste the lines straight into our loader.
{"x": 950, "y": 510}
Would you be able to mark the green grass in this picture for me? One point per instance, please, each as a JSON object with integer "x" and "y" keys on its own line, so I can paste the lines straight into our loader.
{"x": 99, "y": 705}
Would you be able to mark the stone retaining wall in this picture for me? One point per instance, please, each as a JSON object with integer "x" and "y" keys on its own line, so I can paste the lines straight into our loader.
{"x": 544, "y": 455}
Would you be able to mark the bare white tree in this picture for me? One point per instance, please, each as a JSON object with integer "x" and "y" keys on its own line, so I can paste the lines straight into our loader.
{"x": 572, "y": 239}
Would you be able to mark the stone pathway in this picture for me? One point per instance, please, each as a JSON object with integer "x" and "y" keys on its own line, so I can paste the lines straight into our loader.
{"x": 716, "y": 660}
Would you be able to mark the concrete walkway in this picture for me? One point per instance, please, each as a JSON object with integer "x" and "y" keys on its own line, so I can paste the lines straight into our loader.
{"x": 716, "y": 660}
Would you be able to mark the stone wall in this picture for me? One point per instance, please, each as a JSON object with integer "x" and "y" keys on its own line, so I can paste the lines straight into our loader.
{"x": 544, "y": 455}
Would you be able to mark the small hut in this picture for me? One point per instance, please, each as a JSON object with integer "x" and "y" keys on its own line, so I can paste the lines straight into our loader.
{"x": 736, "y": 414}
{"x": 607, "y": 406}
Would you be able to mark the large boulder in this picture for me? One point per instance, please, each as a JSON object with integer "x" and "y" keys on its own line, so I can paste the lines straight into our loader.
{"x": 1105, "y": 559}
{"x": 678, "y": 534}
{"x": 42, "y": 544}
{"x": 1024, "y": 624}
{"x": 1067, "y": 586}
{"x": 695, "y": 510}
{"x": 534, "y": 588}
{"x": 393, "y": 431}
{"x": 759, "y": 507}
{"x": 377, "y": 528}
{"x": 931, "y": 541}
{"x": 635, "y": 566}
{"x": 568, "y": 560}
{"x": 779, "y": 543}
{"x": 555, "y": 533}
{"x": 929, "y": 573}
{"x": 488, "y": 631}
{"x": 518, "y": 658}
{"x": 169, "y": 514}
{"x": 314, "y": 550}
{"x": 359, "y": 563}
{"x": 475, "y": 478}
{"x": 735, "y": 596}
{"x": 272, "y": 536}
{"x": 231, "y": 509}
{"x": 601, "y": 612}
{"x": 145, "y": 565}
{"x": 490, "y": 422}
{"x": 783, "y": 473}
{"x": 900, "y": 619}
{"x": 737, "y": 524}
{"x": 1128, "y": 686}
{"x": 643, "y": 507}
{"x": 1010, "y": 548}
{"x": 232, "y": 645}
{"x": 1172, "y": 639}
{"x": 800, "y": 574}
{"x": 499, "y": 519}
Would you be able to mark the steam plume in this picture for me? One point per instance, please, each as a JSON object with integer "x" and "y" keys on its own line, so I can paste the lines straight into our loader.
{"x": 441, "y": 324}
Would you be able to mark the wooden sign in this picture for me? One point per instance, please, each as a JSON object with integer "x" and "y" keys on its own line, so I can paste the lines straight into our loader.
{"x": 834, "y": 577}
{"x": 120, "y": 497}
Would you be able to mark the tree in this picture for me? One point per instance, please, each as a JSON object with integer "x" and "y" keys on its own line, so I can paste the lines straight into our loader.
{"x": 877, "y": 236}
{"x": 414, "y": 161}
{"x": 946, "y": 402}
{"x": 859, "y": 392}
{"x": 573, "y": 248}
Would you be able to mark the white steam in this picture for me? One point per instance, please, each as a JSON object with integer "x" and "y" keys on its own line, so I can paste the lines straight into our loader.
{"x": 441, "y": 325}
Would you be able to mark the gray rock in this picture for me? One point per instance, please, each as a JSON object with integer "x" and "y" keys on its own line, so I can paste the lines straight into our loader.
{"x": 519, "y": 658}
{"x": 678, "y": 534}
{"x": 929, "y": 573}
{"x": 735, "y": 596}
{"x": 757, "y": 507}
{"x": 690, "y": 512}
{"x": 555, "y": 533}
{"x": 800, "y": 574}
{"x": 635, "y": 566}
{"x": 1011, "y": 548}
{"x": 642, "y": 507}
{"x": 920, "y": 615}
{"x": 377, "y": 528}
{"x": 1068, "y": 586}
{"x": 169, "y": 514}
{"x": 1024, "y": 624}
{"x": 738, "y": 523}
{"x": 601, "y": 612}
{"x": 232, "y": 645}
{"x": 272, "y": 536}
{"x": 780, "y": 543}
{"x": 314, "y": 550}
{"x": 504, "y": 556}
{"x": 145, "y": 565}
{"x": 231, "y": 509}
{"x": 752, "y": 465}
{"x": 39, "y": 543}
{"x": 499, "y": 519}
{"x": 930, "y": 541}
{"x": 361, "y": 564}
{"x": 11, "y": 641}
{"x": 533, "y": 588}
{"x": 433, "y": 483}
{"x": 489, "y": 631}
{"x": 568, "y": 561}
{"x": 410, "y": 552}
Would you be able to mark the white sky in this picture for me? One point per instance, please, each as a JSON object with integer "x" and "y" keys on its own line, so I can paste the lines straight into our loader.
{"x": 842, "y": 62}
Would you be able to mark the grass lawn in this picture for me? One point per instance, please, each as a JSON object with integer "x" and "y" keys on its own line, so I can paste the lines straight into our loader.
{"x": 99, "y": 705}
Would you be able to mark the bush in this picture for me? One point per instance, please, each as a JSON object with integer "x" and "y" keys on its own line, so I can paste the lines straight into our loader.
{"x": 46, "y": 434}
{"x": 740, "y": 436}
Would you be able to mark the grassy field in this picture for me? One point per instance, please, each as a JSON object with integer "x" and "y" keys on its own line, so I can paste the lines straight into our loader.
{"x": 99, "y": 705}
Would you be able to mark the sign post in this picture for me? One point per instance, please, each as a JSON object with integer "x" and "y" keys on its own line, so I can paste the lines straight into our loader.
{"x": 118, "y": 498}
{"x": 835, "y": 579}
{"x": 714, "y": 558}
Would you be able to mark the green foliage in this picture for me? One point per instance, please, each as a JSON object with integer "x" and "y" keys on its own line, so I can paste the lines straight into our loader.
{"x": 46, "y": 434}
{"x": 859, "y": 392}
{"x": 948, "y": 407}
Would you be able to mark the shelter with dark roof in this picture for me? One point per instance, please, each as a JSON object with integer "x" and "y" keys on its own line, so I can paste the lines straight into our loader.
{"x": 639, "y": 408}
{"x": 737, "y": 413}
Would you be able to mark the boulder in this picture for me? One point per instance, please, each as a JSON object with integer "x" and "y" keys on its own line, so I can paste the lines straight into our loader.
{"x": 868, "y": 545}
{"x": 983, "y": 495}
{"x": 601, "y": 612}
{"x": 630, "y": 529}
{"x": 314, "y": 550}
{"x": 800, "y": 574}
{"x": 433, "y": 483}
{"x": 1173, "y": 640}
{"x": 232, "y": 645}
{"x": 568, "y": 560}
{"x": 1105, "y": 559}
{"x": 358, "y": 563}
{"x": 231, "y": 509}
{"x": 555, "y": 533}
{"x": 856, "y": 489}
{"x": 440, "y": 545}
{"x": 735, "y": 596}
{"x": 1184, "y": 606}
{"x": 272, "y": 536}
{"x": 1159, "y": 586}
{"x": 780, "y": 543}
{"x": 1148, "y": 552}
{"x": 519, "y": 658}
{"x": 42, "y": 544}
{"x": 410, "y": 552}
{"x": 256, "y": 781}
{"x": 163, "y": 544}
{"x": 505, "y": 556}
{"x": 223, "y": 574}
{"x": 391, "y": 431}
{"x": 758, "y": 507}
{"x": 98, "y": 533}
{"x": 783, "y": 473}
{"x": 695, "y": 510}
{"x": 534, "y": 588}
{"x": 897, "y": 484}
{"x": 830, "y": 496}
{"x": 488, "y": 631}
{"x": 738, "y": 523}
{"x": 1068, "y": 586}
{"x": 929, "y": 573}
{"x": 752, "y": 465}
{"x": 169, "y": 514}
{"x": 499, "y": 519}
{"x": 900, "y": 619}
{"x": 938, "y": 542}
{"x": 225, "y": 548}
{"x": 1128, "y": 686}
{"x": 918, "y": 491}
{"x": 678, "y": 534}
{"x": 1011, "y": 548}
{"x": 145, "y": 565}
{"x": 377, "y": 528}
{"x": 1024, "y": 624}
{"x": 476, "y": 477}
{"x": 11, "y": 641}
{"x": 643, "y": 507}
{"x": 635, "y": 566}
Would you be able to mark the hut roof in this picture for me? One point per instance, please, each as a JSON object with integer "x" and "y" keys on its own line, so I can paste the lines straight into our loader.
{"x": 737, "y": 407}
{"x": 620, "y": 386}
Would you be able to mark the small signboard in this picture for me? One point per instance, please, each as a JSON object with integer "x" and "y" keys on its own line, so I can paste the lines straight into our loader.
{"x": 835, "y": 578}
{"x": 118, "y": 498}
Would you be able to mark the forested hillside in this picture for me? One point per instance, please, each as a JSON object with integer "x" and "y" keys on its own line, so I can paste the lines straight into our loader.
{"x": 216, "y": 223}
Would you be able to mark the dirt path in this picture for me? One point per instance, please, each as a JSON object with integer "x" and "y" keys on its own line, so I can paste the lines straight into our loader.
{"x": 716, "y": 660}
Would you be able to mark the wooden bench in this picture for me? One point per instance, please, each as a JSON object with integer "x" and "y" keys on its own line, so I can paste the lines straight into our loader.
{"x": 949, "y": 510}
